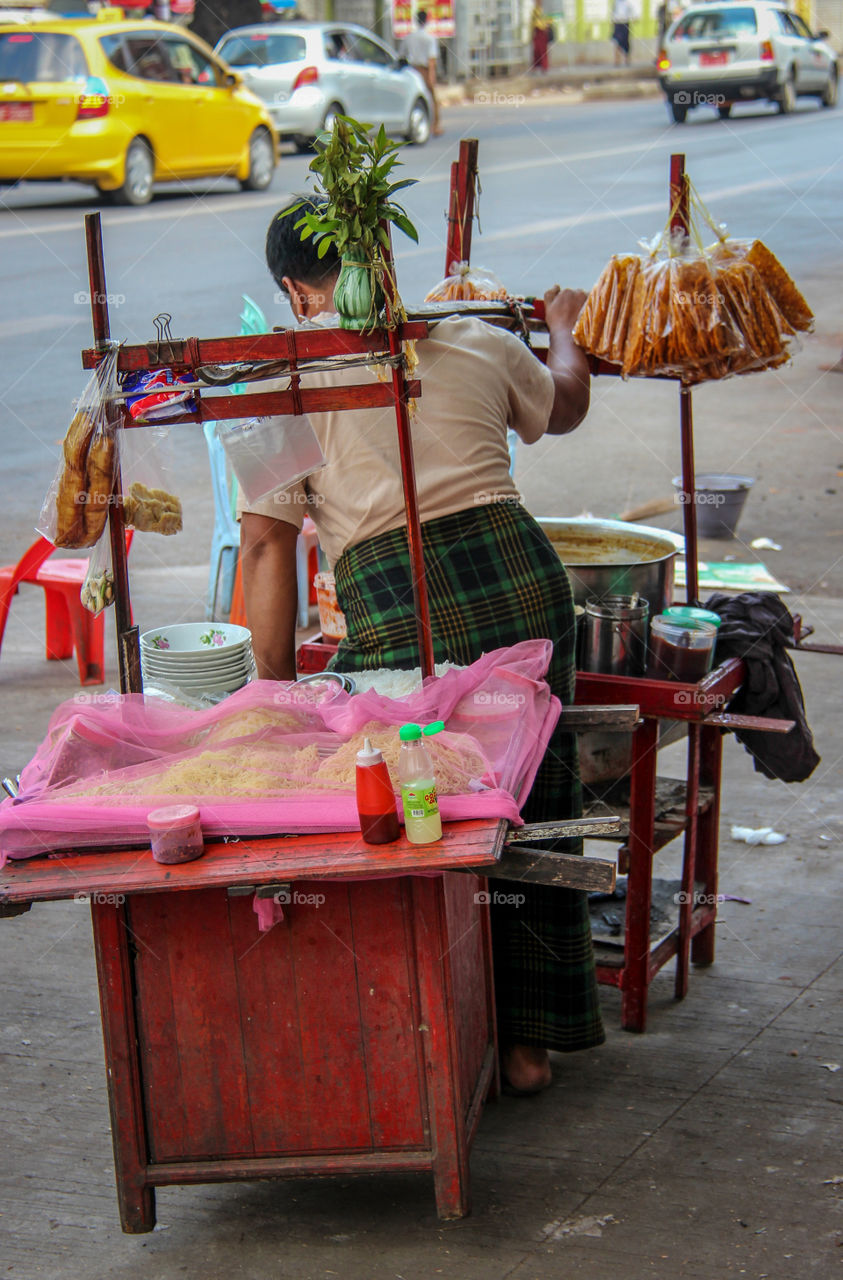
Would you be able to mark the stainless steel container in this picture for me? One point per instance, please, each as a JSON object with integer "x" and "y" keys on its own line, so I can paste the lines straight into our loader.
{"x": 616, "y": 636}
{"x": 609, "y": 557}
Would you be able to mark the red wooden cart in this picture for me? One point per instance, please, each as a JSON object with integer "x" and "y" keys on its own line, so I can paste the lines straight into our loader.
{"x": 358, "y": 1035}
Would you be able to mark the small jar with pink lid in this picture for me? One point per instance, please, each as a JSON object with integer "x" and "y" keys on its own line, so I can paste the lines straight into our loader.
{"x": 175, "y": 833}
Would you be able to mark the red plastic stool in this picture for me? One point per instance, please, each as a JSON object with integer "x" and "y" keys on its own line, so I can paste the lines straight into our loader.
{"x": 69, "y": 625}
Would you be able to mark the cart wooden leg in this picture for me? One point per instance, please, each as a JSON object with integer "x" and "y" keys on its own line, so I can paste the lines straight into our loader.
{"x": 128, "y": 1130}
{"x": 449, "y": 1139}
{"x": 689, "y": 859}
{"x": 642, "y": 809}
{"x": 711, "y": 757}
{"x": 494, "y": 1090}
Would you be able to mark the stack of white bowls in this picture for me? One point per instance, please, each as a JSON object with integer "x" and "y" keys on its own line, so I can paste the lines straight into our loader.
{"x": 198, "y": 657}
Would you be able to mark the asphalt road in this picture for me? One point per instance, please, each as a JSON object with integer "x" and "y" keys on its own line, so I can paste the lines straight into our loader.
{"x": 563, "y": 186}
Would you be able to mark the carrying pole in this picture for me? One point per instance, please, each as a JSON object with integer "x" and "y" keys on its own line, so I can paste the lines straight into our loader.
{"x": 408, "y": 474}
{"x": 128, "y": 637}
{"x": 680, "y": 225}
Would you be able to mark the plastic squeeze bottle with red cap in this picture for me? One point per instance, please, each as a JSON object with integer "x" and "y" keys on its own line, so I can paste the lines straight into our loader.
{"x": 375, "y": 797}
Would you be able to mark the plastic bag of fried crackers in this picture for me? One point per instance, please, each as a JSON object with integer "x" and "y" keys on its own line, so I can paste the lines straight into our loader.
{"x": 693, "y": 313}
{"x": 602, "y": 324}
{"x": 677, "y": 323}
{"x": 775, "y": 279}
{"x": 467, "y": 284}
{"x": 150, "y": 504}
{"x": 75, "y": 509}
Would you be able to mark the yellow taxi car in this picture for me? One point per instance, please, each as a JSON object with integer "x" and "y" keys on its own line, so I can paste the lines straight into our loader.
{"x": 125, "y": 105}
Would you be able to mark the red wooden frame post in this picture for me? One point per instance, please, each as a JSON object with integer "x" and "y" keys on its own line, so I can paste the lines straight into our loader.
{"x": 128, "y": 643}
{"x": 408, "y": 477}
{"x": 680, "y": 226}
{"x": 461, "y": 204}
{"x": 687, "y": 901}
{"x": 125, "y": 1091}
{"x": 708, "y": 832}
{"x": 642, "y": 817}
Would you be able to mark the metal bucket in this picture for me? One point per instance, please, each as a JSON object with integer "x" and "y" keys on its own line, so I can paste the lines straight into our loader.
{"x": 611, "y": 558}
{"x": 616, "y": 636}
{"x": 719, "y": 500}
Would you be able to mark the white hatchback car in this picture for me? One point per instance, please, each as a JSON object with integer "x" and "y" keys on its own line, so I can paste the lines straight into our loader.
{"x": 308, "y": 72}
{"x": 718, "y": 54}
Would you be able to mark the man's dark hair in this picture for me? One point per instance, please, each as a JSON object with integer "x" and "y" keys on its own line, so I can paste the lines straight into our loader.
{"x": 288, "y": 255}
{"x": 421, "y": 17}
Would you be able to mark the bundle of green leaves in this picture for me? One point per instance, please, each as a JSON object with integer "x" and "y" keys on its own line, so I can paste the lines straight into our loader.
{"x": 352, "y": 170}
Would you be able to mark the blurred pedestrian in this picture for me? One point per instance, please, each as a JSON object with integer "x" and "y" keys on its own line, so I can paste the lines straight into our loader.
{"x": 622, "y": 15}
{"x": 421, "y": 50}
{"x": 541, "y": 27}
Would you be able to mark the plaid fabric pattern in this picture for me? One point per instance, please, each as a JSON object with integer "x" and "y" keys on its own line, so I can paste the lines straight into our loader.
{"x": 493, "y": 579}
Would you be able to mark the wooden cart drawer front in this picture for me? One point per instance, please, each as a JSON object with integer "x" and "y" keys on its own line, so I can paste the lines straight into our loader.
{"x": 299, "y": 1040}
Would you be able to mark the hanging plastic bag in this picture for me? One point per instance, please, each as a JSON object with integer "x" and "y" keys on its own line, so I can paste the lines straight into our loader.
{"x": 97, "y": 591}
{"x": 75, "y": 509}
{"x": 148, "y": 474}
{"x": 467, "y": 284}
{"x": 267, "y": 454}
{"x": 692, "y": 312}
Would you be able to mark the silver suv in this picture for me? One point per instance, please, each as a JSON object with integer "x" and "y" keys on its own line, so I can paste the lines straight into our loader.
{"x": 718, "y": 54}
{"x": 308, "y": 72}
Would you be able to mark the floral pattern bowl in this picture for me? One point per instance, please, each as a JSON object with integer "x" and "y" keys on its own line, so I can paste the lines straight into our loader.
{"x": 197, "y": 638}
{"x": 198, "y": 657}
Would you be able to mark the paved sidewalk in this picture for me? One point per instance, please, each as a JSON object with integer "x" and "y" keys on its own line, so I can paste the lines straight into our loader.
{"x": 706, "y": 1148}
{"x": 577, "y": 82}
{"x": 710, "y": 1146}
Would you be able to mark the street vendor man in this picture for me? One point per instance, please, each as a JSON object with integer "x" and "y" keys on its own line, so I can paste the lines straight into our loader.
{"x": 493, "y": 579}
{"x": 421, "y": 49}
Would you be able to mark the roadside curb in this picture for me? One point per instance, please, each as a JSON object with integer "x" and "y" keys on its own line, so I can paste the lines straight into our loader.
{"x": 574, "y": 85}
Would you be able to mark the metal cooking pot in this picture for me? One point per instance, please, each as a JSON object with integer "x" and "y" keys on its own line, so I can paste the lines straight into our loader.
{"x": 610, "y": 558}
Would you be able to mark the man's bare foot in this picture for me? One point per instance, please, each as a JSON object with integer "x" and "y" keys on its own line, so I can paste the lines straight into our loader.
{"x": 525, "y": 1068}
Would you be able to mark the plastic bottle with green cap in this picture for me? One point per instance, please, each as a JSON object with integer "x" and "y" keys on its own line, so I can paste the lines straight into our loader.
{"x": 422, "y": 824}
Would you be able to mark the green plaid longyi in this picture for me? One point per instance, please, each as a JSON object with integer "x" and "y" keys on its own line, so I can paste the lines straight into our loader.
{"x": 493, "y": 579}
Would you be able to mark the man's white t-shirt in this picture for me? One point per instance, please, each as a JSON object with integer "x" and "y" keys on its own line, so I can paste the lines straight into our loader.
{"x": 420, "y": 47}
{"x": 476, "y": 381}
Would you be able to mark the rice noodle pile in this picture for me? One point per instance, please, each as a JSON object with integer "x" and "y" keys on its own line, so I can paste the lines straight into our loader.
{"x": 456, "y": 758}
{"x": 247, "y": 769}
{"x": 266, "y": 765}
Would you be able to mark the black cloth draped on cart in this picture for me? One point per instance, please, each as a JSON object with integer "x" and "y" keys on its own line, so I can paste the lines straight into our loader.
{"x": 757, "y": 627}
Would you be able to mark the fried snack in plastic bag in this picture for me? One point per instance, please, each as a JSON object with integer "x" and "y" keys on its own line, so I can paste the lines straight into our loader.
{"x": 152, "y": 510}
{"x": 100, "y": 477}
{"x": 781, "y": 288}
{"x": 702, "y": 329}
{"x": 97, "y": 591}
{"x": 602, "y": 324}
{"x": 467, "y": 284}
{"x": 775, "y": 278}
{"x": 764, "y": 327}
{"x": 649, "y": 314}
{"x": 149, "y": 504}
{"x": 697, "y": 315}
{"x": 75, "y": 509}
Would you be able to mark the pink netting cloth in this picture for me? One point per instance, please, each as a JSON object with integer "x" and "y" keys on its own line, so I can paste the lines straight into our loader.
{"x": 277, "y": 758}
